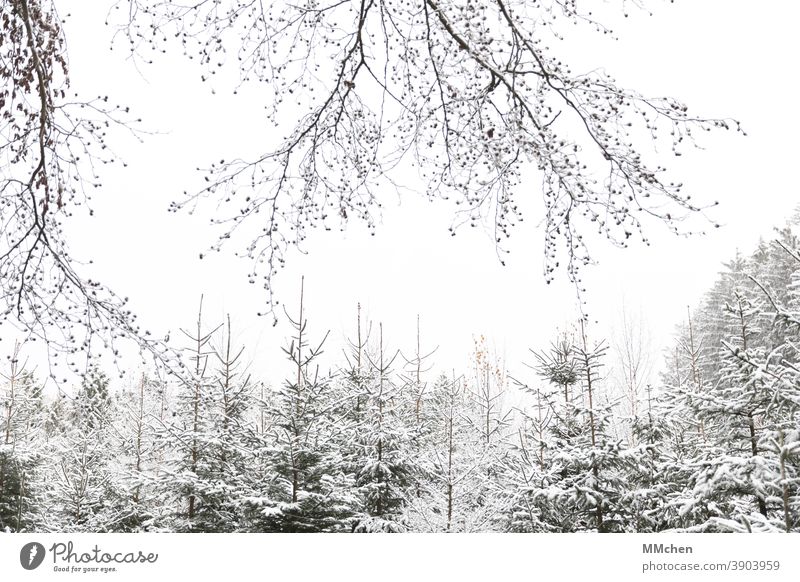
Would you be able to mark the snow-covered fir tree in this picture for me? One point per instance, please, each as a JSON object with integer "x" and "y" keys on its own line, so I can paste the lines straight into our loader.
{"x": 302, "y": 485}
{"x": 376, "y": 442}
{"x": 22, "y": 416}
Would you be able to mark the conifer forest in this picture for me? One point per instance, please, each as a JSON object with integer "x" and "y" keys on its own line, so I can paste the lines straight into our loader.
{"x": 259, "y": 132}
{"x": 381, "y": 444}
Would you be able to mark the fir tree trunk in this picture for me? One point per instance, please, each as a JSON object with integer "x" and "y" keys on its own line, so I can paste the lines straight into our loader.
{"x": 785, "y": 488}
{"x": 450, "y": 466}
{"x": 379, "y": 507}
{"x": 9, "y": 413}
{"x": 20, "y": 498}
{"x": 588, "y": 368}
{"x": 139, "y": 422}
{"x": 540, "y": 428}
{"x": 194, "y": 453}
{"x": 295, "y": 438}
{"x": 449, "y": 505}
{"x": 762, "y": 506}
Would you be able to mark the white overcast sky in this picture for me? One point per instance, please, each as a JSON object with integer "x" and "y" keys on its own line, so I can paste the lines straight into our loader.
{"x": 723, "y": 58}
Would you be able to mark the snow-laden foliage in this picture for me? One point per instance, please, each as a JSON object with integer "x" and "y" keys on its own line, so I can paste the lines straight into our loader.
{"x": 373, "y": 445}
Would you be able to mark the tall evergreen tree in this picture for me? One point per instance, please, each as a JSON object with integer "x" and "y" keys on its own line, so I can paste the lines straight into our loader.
{"x": 379, "y": 433}
{"x": 21, "y": 428}
{"x": 306, "y": 488}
